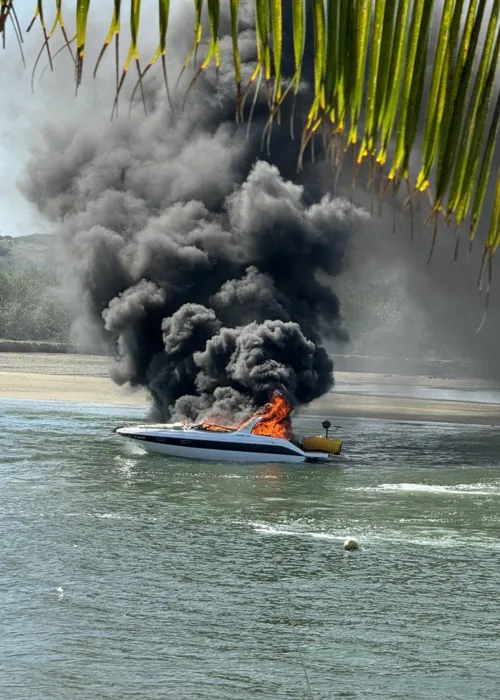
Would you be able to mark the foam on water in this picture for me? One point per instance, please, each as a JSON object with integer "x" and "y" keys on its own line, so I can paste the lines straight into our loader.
{"x": 174, "y": 563}
{"x": 478, "y": 489}
{"x": 369, "y": 539}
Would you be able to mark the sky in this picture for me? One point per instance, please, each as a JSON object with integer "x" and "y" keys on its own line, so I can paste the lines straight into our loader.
{"x": 16, "y": 216}
{"x": 23, "y": 112}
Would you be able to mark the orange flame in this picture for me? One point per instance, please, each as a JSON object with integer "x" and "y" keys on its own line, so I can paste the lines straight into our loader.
{"x": 275, "y": 421}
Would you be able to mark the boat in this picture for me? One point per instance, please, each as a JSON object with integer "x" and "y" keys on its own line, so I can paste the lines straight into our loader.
{"x": 237, "y": 444}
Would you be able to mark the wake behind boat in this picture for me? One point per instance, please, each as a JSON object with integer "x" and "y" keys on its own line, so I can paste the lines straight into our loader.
{"x": 261, "y": 439}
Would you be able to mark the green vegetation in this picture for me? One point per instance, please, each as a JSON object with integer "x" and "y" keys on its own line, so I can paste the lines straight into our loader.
{"x": 31, "y": 305}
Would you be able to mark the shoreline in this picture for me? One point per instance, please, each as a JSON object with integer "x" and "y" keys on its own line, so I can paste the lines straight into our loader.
{"x": 71, "y": 388}
{"x": 85, "y": 379}
{"x": 413, "y": 366}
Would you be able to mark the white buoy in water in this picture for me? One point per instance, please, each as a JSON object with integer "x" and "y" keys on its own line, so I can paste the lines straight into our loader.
{"x": 350, "y": 545}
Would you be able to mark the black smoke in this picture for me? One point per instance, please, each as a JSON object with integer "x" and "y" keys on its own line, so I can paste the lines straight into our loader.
{"x": 197, "y": 256}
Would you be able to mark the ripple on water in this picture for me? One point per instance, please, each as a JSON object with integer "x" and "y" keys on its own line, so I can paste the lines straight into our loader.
{"x": 130, "y": 576}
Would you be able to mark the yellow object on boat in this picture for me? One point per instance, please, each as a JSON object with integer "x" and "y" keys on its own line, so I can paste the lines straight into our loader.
{"x": 320, "y": 443}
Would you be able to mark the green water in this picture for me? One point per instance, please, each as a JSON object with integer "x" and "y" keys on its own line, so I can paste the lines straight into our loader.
{"x": 125, "y": 576}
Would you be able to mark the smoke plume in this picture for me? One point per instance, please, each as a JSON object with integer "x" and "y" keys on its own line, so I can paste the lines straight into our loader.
{"x": 194, "y": 254}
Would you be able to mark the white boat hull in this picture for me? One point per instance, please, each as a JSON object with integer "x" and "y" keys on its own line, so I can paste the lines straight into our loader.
{"x": 214, "y": 455}
{"x": 218, "y": 447}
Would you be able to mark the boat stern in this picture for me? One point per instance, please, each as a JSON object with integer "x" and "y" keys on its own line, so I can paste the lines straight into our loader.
{"x": 320, "y": 443}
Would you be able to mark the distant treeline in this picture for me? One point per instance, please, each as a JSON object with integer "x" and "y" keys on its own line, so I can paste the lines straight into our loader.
{"x": 31, "y": 306}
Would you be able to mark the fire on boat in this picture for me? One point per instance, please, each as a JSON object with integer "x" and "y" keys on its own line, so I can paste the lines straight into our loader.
{"x": 266, "y": 437}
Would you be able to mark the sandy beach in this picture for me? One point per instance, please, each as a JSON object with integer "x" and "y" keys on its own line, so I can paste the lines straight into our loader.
{"x": 63, "y": 377}
{"x": 84, "y": 378}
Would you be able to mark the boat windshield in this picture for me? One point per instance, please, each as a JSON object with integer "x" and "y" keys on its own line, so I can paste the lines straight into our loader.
{"x": 211, "y": 427}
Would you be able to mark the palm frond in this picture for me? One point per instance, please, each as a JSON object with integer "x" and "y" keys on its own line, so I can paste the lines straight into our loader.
{"x": 373, "y": 61}
{"x": 390, "y": 99}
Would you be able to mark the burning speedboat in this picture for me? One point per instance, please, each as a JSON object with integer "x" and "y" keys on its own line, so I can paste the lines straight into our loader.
{"x": 266, "y": 437}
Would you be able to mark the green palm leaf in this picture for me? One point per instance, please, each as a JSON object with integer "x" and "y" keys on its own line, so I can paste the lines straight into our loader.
{"x": 437, "y": 96}
{"x": 198, "y": 33}
{"x": 371, "y": 117}
{"x": 476, "y": 100}
{"x": 363, "y": 11}
{"x": 416, "y": 26}
{"x": 235, "y": 7}
{"x": 396, "y": 72}
{"x": 451, "y": 127}
{"x": 474, "y": 142}
{"x": 485, "y": 170}
{"x": 113, "y": 33}
{"x": 332, "y": 58}
{"x": 82, "y": 13}
{"x": 319, "y": 102}
{"x": 493, "y": 240}
{"x": 371, "y": 59}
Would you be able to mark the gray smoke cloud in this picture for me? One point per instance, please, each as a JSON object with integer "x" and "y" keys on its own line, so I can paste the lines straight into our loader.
{"x": 193, "y": 254}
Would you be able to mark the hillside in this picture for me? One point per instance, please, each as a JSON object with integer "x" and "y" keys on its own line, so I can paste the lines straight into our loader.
{"x": 27, "y": 251}
{"x": 32, "y": 307}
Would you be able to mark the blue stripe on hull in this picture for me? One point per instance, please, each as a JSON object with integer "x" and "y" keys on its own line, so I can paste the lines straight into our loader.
{"x": 216, "y": 445}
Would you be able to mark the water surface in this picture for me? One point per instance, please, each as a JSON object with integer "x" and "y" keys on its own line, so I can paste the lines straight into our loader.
{"x": 128, "y": 576}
